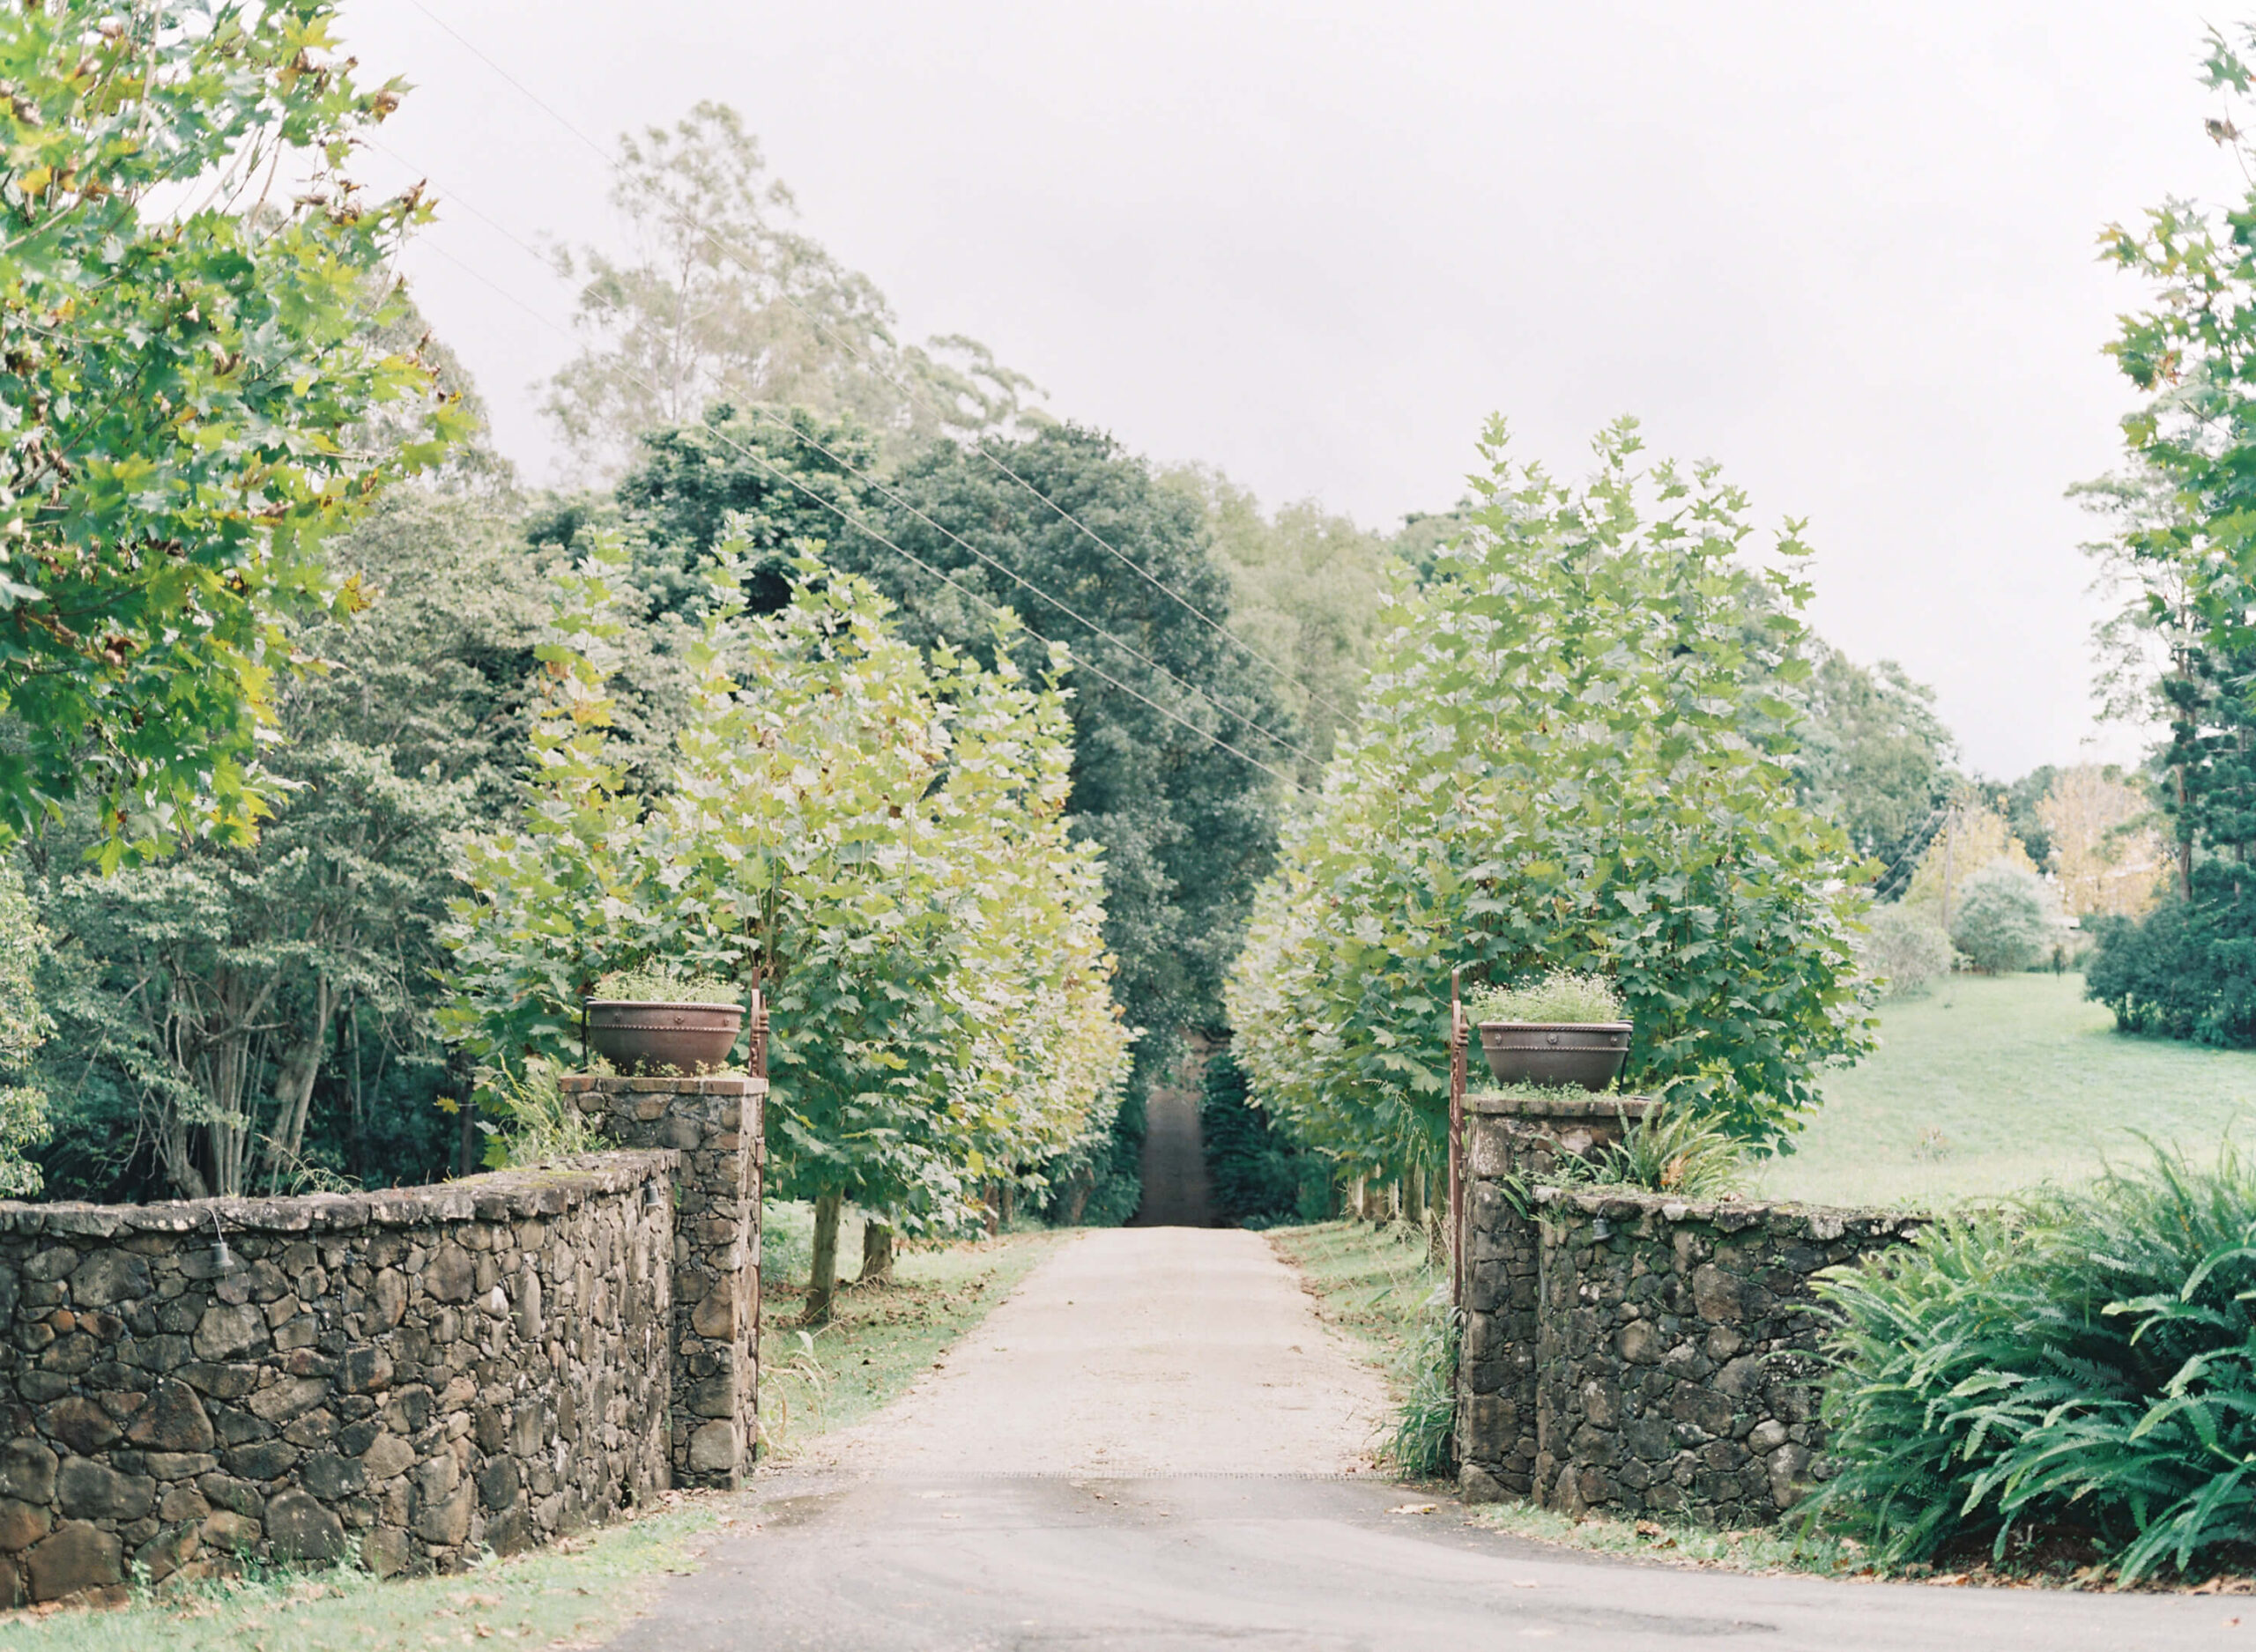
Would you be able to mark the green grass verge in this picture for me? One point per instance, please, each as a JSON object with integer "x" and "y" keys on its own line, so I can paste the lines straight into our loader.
{"x": 1990, "y": 1084}
{"x": 576, "y": 1594}
{"x": 1371, "y": 1281}
{"x": 1377, "y": 1285}
{"x": 881, "y": 1336}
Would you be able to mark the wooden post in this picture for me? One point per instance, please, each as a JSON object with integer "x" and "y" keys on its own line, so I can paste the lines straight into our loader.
{"x": 1456, "y": 1029}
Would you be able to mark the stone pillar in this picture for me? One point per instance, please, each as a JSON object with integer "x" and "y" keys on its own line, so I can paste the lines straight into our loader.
{"x": 715, "y": 1124}
{"x": 1509, "y": 1140}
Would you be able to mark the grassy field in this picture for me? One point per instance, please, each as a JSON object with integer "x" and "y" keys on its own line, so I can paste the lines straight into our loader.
{"x": 1989, "y": 1084}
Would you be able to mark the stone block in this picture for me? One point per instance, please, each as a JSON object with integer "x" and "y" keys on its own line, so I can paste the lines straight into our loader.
{"x": 75, "y": 1557}
{"x": 88, "y": 1490}
{"x": 299, "y": 1527}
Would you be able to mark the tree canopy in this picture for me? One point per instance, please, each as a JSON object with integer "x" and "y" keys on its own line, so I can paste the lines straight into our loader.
{"x": 182, "y": 391}
{"x": 1576, "y": 751}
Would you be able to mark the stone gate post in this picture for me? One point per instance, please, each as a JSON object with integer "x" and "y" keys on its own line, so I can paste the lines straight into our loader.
{"x": 713, "y": 1421}
{"x": 1507, "y": 1138}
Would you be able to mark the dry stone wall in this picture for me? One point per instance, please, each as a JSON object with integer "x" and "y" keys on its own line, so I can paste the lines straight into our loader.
{"x": 1676, "y": 1351}
{"x": 406, "y": 1376}
{"x": 715, "y": 1124}
{"x": 1634, "y": 1352}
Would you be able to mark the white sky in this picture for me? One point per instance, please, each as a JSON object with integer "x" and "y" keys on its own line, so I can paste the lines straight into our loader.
{"x": 1847, "y": 250}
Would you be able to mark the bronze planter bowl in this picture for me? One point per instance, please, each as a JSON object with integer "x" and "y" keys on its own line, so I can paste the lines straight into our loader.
{"x": 648, "y": 1038}
{"x": 1587, "y": 1053}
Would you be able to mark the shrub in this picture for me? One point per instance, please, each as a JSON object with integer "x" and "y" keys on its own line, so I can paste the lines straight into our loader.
{"x": 2187, "y": 970}
{"x": 2083, "y": 1361}
{"x": 649, "y": 987}
{"x": 1562, "y": 997}
{"x": 1904, "y": 949}
{"x": 2003, "y": 920}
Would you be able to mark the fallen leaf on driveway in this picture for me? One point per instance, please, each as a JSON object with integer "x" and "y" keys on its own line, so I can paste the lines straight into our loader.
{"x": 1412, "y": 1509}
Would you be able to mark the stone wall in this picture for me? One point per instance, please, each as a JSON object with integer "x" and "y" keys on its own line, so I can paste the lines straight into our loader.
{"x": 1632, "y": 1351}
{"x": 408, "y": 1376}
{"x": 1509, "y": 1140}
{"x": 715, "y": 1125}
{"x": 1675, "y": 1351}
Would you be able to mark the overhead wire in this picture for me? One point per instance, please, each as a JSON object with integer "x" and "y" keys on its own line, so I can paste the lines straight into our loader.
{"x": 845, "y": 464}
{"x": 940, "y": 574}
{"x": 978, "y": 445}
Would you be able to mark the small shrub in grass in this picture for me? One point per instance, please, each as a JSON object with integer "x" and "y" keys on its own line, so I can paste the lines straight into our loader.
{"x": 1904, "y": 949}
{"x": 1561, "y": 997}
{"x": 2082, "y": 1364}
{"x": 2004, "y": 919}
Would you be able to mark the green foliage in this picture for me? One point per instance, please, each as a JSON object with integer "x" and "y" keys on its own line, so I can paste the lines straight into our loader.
{"x": 873, "y": 835}
{"x": 1561, "y": 997}
{"x": 2084, "y": 1362}
{"x": 764, "y": 478}
{"x": 2182, "y": 539}
{"x": 246, "y": 1017}
{"x": 1904, "y": 949}
{"x": 1875, "y": 758}
{"x": 1257, "y": 1174}
{"x": 1187, "y": 829}
{"x": 1575, "y": 753}
{"x": 1424, "y": 1445}
{"x": 24, "y": 1027}
{"x": 532, "y": 1122}
{"x": 185, "y": 388}
{"x": 727, "y": 300}
{"x": 2003, "y": 921}
{"x": 2187, "y": 970}
{"x": 648, "y": 986}
{"x": 1305, "y": 590}
{"x": 1671, "y": 1149}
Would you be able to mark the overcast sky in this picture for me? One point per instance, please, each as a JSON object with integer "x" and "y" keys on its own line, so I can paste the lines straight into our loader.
{"x": 1846, "y": 249}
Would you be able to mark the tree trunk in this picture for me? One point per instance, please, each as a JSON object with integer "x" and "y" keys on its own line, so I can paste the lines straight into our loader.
{"x": 1076, "y": 1197}
{"x": 822, "y": 1278}
{"x": 293, "y": 1091}
{"x": 1006, "y": 1205}
{"x": 877, "y": 1253}
{"x": 992, "y": 1201}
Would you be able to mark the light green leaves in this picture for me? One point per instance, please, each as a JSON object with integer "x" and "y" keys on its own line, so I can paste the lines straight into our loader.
{"x": 1573, "y": 755}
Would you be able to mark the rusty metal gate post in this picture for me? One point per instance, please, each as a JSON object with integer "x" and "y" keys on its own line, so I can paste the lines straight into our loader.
{"x": 1457, "y": 1041}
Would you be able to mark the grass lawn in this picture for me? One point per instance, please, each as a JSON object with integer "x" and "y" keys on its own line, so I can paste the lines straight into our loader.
{"x": 575, "y": 1594}
{"x": 1989, "y": 1084}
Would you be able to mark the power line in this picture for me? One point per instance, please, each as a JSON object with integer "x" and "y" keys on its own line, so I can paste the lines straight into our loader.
{"x": 849, "y": 468}
{"x": 978, "y": 444}
{"x": 839, "y": 511}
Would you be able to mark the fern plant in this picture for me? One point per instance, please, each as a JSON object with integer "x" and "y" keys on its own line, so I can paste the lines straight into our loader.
{"x": 1671, "y": 1149}
{"x": 2084, "y": 1360}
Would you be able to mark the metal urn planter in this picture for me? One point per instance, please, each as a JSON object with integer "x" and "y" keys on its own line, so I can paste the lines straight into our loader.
{"x": 1585, "y": 1053}
{"x": 646, "y": 1038}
